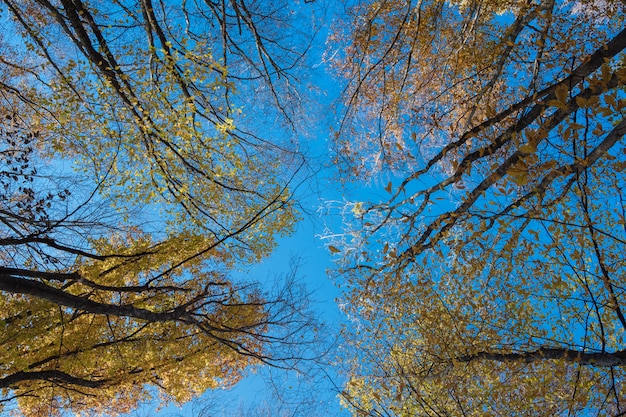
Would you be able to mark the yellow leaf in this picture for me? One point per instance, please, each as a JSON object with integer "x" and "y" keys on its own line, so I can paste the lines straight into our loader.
{"x": 333, "y": 249}
{"x": 561, "y": 93}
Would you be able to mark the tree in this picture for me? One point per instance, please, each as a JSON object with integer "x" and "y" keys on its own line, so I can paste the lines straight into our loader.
{"x": 163, "y": 99}
{"x": 116, "y": 279}
{"x": 492, "y": 276}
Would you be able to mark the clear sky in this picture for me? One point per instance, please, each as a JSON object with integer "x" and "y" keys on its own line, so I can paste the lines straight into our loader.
{"x": 302, "y": 394}
{"x": 275, "y": 392}
{"x": 261, "y": 389}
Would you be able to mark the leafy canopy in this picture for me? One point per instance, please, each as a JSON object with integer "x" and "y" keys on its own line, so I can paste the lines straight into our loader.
{"x": 116, "y": 276}
{"x": 490, "y": 281}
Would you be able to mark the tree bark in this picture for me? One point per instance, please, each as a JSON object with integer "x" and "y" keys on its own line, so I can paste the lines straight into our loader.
{"x": 41, "y": 290}
{"x": 50, "y": 375}
{"x": 601, "y": 359}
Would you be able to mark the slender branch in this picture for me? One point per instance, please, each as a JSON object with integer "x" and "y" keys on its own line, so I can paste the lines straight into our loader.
{"x": 11, "y": 241}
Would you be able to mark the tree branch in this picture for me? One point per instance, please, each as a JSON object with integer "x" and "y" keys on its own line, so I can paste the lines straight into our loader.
{"x": 49, "y": 375}
{"x": 601, "y": 359}
{"x": 15, "y": 285}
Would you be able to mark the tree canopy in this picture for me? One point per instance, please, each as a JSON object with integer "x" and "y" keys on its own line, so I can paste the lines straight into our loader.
{"x": 116, "y": 276}
{"x": 149, "y": 153}
{"x": 492, "y": 275}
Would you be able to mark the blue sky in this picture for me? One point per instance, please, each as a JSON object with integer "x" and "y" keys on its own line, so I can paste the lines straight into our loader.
{"x": 258, "y": 390}
{"x": 302, "y": 393}
{"x": 275, "y": 390}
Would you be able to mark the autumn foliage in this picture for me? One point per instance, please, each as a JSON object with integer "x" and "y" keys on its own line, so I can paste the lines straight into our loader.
{"x": 130, "y": 194}
{"x": 492, "y": 275}
{"x": 148, "y": 155}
